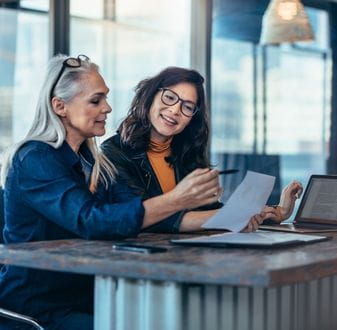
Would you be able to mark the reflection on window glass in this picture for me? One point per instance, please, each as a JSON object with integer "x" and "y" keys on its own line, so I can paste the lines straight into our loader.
{"x": 23, "y": 58}
{"x": 272, "y": 101}
{"x": 42, "y": 5}
{"x": 296, "y": 116}
{"x": 137, "y": 41}
{"x": 88, "y": 9}
{"x": 166, "y": 16}
{"x": 232, "y": 98}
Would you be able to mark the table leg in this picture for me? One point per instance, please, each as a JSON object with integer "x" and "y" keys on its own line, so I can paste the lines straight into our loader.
{"x": 126, "y": 304}
{"x": 105, "y": 303}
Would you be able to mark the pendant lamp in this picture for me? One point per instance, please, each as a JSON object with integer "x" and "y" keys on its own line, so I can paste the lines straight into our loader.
{"x": 285, "y": 21}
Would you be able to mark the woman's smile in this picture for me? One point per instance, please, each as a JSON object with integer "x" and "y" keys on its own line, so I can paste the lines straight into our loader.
{"x": 168, "y": 120}
{"x": 101, "y": 121}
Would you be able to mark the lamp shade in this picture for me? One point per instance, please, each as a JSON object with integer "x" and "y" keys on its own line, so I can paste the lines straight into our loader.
{"x": 285, "y": 21}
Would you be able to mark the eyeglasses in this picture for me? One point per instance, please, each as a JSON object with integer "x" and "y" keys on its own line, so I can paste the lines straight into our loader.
{"x": 169, "y": 97}
{"x": 70, "y": 62}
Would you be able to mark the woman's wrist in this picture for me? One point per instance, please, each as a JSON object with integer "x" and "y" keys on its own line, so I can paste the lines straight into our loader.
{"x": 193, "y": 220}
{"x": 278, "y": 212}
{"x": 158, "y": 208}
{"x": 172, "y": 201}
{"x": 273, "y": 213}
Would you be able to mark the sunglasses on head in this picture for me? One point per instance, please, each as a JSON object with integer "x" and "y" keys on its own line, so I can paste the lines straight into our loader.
{"x": 70, "y": 62}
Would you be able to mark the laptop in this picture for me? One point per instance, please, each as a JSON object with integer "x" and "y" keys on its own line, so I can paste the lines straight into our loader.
{"x": 317, "y": 211}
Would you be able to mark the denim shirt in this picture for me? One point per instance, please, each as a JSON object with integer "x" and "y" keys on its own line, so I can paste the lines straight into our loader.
{"x": 46, "y": 198}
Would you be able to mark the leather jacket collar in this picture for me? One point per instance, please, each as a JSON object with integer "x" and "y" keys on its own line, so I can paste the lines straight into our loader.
{"x": 141, "y": 165}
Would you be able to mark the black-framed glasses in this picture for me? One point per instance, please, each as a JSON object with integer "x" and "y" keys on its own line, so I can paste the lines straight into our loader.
{"x": 70, "y": 62}
{"x": 169, "y": 97}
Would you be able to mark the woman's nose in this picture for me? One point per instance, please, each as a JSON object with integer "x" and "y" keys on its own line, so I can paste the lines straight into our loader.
{"x": 107, "y": 108}
{"x": 175, "y": 109}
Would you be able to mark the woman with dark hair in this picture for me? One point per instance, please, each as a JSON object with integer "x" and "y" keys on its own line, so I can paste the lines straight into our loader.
{"x": 189, "y": 146}
{"x": 164, "y": 137}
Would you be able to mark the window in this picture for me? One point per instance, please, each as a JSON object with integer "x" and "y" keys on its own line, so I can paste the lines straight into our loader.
{"x": 135, "y": 39}
{"x": 270, "y": 100}
{"x": 23, "y": 58}
{"x": 129, "y": 39}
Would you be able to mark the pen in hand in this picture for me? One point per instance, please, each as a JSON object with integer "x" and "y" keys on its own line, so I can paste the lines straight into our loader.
{"x": 229, "y": 171}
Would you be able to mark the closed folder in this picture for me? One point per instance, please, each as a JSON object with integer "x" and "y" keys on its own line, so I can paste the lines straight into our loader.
{"x": 254, "y": 239}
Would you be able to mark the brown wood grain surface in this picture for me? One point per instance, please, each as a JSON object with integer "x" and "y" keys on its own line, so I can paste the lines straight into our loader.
{"x": 204, "y": 265}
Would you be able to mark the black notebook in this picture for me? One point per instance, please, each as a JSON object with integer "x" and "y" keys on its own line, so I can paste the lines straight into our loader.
{"x": 255, "y": 239}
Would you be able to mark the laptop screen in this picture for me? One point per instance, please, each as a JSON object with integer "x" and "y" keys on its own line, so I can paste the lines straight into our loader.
{"x": 319, "y": 202}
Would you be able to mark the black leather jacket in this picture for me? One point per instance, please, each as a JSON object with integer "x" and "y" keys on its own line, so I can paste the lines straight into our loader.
{"x": 134, "y": 169}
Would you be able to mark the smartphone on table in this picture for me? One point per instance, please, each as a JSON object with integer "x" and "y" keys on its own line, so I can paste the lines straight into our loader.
{"x": 138, "y": 248}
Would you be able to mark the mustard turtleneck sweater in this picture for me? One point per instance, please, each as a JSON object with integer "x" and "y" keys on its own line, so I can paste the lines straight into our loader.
{"x": 165, "y": 174}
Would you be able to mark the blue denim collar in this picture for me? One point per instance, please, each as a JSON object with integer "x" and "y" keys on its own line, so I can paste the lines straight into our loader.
{"x": 71, "y": 158}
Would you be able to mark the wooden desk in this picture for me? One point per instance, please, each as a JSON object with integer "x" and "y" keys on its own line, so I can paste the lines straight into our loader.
{"x": 197, "y": 288}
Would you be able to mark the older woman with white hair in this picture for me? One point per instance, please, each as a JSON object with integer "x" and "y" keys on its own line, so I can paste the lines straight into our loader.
{"x": 57, "y": 185}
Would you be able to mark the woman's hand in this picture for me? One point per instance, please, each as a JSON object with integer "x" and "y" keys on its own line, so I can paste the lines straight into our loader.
{"x": 198, "y": 188}
{"x": 286, "y": 205}
{"x": 255, "y": 221}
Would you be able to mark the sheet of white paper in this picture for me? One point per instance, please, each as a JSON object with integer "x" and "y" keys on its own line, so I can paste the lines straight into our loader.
{"x": 248, "y": 199}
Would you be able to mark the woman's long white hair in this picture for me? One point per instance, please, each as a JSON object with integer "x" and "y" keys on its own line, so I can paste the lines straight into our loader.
{"x": 47, "y": 126}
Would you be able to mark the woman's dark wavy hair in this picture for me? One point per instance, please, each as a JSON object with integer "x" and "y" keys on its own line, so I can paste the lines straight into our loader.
{"x": 189, "y": 148}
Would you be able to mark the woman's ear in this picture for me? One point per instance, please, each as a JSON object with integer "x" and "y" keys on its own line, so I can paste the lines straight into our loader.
{"x": 58, "y": 106}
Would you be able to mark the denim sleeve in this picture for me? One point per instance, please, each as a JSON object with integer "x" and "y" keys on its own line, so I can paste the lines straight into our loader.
{"x": 170, "y": 224}
{"x": 50, "y": 187}
{"x": 117, "y": 192}
{"x": 121, "y": 192}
